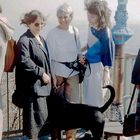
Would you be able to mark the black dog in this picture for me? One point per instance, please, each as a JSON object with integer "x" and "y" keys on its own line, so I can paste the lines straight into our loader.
{"x": 64, "y": 115}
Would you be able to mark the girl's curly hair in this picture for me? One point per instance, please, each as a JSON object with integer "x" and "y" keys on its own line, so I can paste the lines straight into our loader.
{"x": 101, "y": 9}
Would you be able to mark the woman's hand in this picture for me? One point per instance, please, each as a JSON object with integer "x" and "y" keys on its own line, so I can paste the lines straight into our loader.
{"x": 46, "y": 79}
{"x": 84, "y": 48}
{"x": 82, "y": 60}
{"x": 138, "y": 86}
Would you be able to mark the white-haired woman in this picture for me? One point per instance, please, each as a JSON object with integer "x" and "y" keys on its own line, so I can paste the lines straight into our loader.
{"x": 5, "y": 34}
{"x": 64, "y": 45}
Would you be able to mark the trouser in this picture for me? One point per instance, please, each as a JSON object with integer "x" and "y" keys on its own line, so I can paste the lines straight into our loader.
{"x": 35, "y": 115}
{"x": 1, "y": 116}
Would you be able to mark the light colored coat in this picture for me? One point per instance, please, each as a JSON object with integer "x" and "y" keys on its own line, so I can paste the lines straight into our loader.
{"x": 5, "y": 34}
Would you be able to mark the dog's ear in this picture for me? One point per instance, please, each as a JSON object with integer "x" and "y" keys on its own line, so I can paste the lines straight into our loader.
{"x": 110, "y": 100}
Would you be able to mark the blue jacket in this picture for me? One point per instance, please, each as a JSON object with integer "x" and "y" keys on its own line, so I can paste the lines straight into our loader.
{"x": 102, "y": 50}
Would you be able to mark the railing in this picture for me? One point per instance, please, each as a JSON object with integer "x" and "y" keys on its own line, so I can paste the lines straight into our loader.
{"x": 13, "y": 115}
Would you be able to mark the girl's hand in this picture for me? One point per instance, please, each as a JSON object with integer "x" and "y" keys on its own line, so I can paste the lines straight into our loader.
{"x": 106, "y": 77}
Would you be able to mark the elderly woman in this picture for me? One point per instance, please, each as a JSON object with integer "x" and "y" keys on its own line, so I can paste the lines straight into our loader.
{"x": 64, "y": 45}
{"x": 33, "y": 75}
{"x": 5, "y": 34}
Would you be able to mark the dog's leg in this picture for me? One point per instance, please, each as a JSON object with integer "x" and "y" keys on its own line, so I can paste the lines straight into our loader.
{"x": 55, "y": 134}
{"x": 98, "y": 132}
{"x": 97, "y": 126}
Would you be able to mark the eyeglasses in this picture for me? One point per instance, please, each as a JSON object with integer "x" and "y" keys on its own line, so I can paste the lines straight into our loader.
{"x": 38, "y": 24}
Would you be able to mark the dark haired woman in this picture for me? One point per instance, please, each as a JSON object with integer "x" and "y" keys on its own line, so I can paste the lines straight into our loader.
{"x": 33, "y": 77}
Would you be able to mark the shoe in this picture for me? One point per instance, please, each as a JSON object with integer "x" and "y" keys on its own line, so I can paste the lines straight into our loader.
{"x": 116, "y": 113}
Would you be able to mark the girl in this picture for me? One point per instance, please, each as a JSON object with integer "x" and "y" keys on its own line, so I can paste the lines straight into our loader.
{"x": 99, "y": 53}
